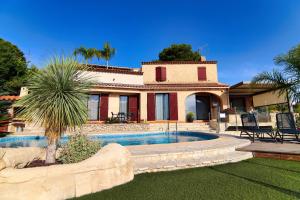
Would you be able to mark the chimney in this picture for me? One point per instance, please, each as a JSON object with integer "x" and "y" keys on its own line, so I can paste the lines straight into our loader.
{"x": 23, "y": 91}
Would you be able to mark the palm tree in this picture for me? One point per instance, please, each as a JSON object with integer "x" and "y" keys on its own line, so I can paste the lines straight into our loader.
{"x": 286, "y": 81}
{"x": 98, "y": 54}
{"x": 86, "y": 53}
{"x": 57, "y": 100}
{"x": 107, "y": 52}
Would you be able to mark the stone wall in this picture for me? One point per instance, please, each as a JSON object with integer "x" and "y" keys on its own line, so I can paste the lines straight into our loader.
{"x": 236, "y": 120}
{"x": 20, "y": 157}
{"x": 123, "y": 128}
{"x": 111, "y": 166}
{"x": 112, "y": 128}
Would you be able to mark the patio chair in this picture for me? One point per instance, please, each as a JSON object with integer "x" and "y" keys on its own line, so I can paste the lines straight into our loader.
{"x": 286, "y": 126}
{"x": 251, "y": 128}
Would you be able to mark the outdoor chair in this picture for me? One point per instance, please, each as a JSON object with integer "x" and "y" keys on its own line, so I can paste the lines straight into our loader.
{"x": 286, "y": 126}
{"x": 251, "y": 128}
{"x": 122, "y": 117}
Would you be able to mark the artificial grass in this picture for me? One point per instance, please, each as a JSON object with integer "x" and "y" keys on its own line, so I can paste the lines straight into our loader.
{"x": 250, "y": 179}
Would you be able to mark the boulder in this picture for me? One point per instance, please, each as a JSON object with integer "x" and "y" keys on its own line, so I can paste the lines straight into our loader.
{"x": 19, "y": 157}
{"x": 110, "y": 166}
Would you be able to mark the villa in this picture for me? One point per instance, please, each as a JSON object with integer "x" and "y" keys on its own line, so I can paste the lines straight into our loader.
{"x": 167, "y": 91}
{"x": 161, "y": 92}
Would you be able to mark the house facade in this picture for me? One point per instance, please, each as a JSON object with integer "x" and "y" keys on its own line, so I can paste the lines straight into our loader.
{"x": 158, "y": 91}
{"x": 167, "y": 91}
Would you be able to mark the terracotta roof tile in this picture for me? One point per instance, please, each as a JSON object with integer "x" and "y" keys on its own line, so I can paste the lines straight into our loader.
{"x": 151, "y": 87}
{"x": 9, "y": 98}
{"x": 114, "y": 69}
{"x": 178, "y": 62}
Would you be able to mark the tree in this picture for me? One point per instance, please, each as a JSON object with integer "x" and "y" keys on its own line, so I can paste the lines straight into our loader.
{"x": 107, "y": 52}
{"x": 287, "y": 80}
{"x": 86, "y": 53}
{"x": 13, "y": 67}
{"x": 57, "y": 100}
{"x": 179, "y": 52}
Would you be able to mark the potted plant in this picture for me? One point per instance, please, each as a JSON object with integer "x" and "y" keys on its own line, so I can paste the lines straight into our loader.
{"x": 190, "y": 117}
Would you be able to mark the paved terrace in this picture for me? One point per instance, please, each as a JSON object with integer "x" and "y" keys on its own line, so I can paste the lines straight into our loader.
{"x": 268, "y": 147}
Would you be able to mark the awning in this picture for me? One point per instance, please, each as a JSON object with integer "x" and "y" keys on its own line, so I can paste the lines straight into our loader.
{"x": 246, "y": 88}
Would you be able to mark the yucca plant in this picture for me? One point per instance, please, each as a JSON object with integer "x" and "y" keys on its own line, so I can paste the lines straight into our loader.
{"x": 56, "y": 100}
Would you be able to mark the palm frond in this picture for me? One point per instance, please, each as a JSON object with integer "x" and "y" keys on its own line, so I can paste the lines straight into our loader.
{"x": 108, "y": 52}
{"x": 57, "y": 98}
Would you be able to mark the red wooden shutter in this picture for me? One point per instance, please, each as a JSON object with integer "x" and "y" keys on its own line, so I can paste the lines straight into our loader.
{"x": 161, "y": 73}
{"x": 150, "y": 106}
{"x": 202, "y": 74}
{"x": 103, "y": 107}
{"x": 133, "y": 105}
{"x": 173, "y": 103}
{"x": 158, "y": 73}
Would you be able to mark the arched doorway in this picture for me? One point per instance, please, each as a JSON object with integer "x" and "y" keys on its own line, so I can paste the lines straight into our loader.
{"x": 203, "y": 105}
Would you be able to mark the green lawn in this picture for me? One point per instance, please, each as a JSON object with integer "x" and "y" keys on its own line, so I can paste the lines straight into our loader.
{"x": 251, "y": 179}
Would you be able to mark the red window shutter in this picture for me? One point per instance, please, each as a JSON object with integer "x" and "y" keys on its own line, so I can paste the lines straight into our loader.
{"x": 158, "y": 73}
{"x": 150, "y": 106}
{"x": 161, "y": 73}
{"x": 202, "y": 74}
{"x": 103, "y": 107}
{"x": 133, "y": 106}
{"x": 173, "y": 106}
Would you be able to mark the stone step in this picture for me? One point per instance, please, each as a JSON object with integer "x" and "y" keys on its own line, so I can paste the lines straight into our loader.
{"x": 168, "y": 165}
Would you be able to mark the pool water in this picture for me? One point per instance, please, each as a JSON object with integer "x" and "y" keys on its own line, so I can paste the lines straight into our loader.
{"x": 123, "y": 139}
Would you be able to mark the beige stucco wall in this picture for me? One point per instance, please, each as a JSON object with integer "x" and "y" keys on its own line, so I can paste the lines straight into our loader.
{"x": 268, "y": 98}
{"x": 181, "y": 97}
{"x": 113, "y": 103}
{"x": 119, "y": 78}
{"x": 180, "y": 73}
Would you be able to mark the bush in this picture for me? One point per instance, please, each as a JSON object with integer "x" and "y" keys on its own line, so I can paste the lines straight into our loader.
{"x": 78, "y": 148}
{"x": 190, "y": 117}
{"x": 112, "y": 120}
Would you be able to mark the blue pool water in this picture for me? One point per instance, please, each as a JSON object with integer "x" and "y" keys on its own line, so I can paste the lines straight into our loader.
{"x": 123, "y": 139}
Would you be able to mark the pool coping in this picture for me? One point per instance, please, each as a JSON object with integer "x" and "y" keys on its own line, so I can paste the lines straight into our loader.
{"x": 223, "y": 141}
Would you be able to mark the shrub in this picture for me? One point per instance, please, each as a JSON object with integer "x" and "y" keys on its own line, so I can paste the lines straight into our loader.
{"x": 78, "y": 148}
{"x": 112, "y": 120}
{"x": 190, "y": 117}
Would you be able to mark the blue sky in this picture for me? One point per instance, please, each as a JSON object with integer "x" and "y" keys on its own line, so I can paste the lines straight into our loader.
{"x": 243, "y": 36}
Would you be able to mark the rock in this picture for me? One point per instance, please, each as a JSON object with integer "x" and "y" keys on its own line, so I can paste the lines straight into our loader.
{"x": 110, "y": 166}
{"x": 20, "y": 157}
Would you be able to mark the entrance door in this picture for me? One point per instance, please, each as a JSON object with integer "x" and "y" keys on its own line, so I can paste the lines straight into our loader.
{"x": 202, "y": 107}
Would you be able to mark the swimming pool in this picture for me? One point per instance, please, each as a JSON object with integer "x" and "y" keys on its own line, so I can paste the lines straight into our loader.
{"x": 123, "y": 139}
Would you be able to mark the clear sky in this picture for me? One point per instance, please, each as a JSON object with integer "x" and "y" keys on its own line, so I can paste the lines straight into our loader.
{"x": 242, "y": 35}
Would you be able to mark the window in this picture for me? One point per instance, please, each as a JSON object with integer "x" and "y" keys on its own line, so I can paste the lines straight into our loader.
{"x": 202, "y": 74}
{"x": 123, "y": 105}
{"x": 162, "y": 106}
{"x": 190, "y": 104}
{"x": 161, "y": 74}
{"x": 93, "y": 107}
{"x": 239, "y": 104}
